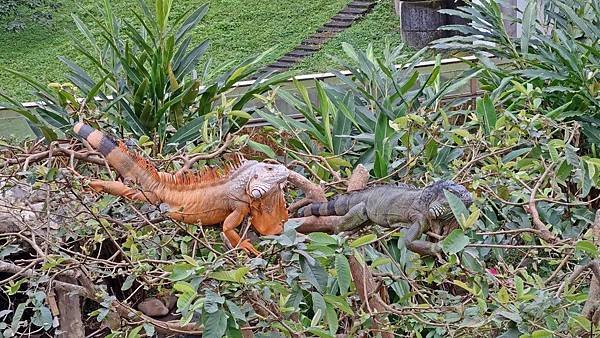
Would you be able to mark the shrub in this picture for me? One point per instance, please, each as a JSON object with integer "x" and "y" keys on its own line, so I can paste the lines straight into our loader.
{"x": 556, "y": 59}
{"x": 148, "y": 83}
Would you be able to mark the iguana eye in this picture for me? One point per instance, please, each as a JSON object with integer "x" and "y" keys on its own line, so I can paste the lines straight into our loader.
{"x": 269, "y": 168}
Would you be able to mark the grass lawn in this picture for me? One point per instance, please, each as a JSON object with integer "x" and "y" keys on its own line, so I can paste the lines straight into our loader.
{"x": 380, "y": 26}
{"x": 236, "y": 29}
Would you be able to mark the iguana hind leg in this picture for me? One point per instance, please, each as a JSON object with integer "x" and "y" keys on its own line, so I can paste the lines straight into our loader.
{"x": 356, "y": 216}
{"x": 231, "y": 222}
{"x": 119, "y": 189}
{"x": 414, "y": 244}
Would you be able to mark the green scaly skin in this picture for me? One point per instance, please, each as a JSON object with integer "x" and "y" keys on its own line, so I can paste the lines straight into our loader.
{"x": 392, "y": 206}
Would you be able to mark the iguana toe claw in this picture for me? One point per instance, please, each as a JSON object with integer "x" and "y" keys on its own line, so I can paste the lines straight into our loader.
{"x": 249, "y": 248}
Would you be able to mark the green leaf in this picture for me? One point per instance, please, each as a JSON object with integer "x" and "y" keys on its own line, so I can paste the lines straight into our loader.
{"x": 366, "y": 239}
{"x": 320, "y": 332}
{"x": 149, "y": 329}
{"x": 542, "y": 334}
{"x": 486, "y": 113}
{"x": 519, "y": 287}
{"x": 215, "y": 324}
{"x": 236, "y": 276}
{"x": 262, "y": 148}
{"x": 503, "y": 296}
{"x": 339, "y": 303}
{"x": 128, "y": 282}
{"x": 343, "y": 273}
{"x": 135, "y": 332}
{"x": 181, "y": 271}
{"x": 583, "y": 322}
{"x": 332, "y": 319}
{"x": 314, "y": 273}
{"x": 455, "y": 242}
{"x": 528, "y": 24}
{"x": 588, "y": 247}
{"x": 322, "y": 238}
{"x": 318, "y": 306}
{"x": 458, "y": 207}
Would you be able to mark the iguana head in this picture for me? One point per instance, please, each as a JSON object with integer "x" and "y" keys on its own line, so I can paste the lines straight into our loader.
{"x": 265, "y": 177}
{"x": 437, "y": 205}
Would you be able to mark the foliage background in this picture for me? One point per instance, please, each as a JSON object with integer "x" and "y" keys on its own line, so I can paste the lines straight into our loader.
{"x": 520, "y": 263}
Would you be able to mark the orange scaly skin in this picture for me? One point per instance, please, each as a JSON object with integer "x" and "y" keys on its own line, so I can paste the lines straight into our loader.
{"x": 205, "y": 198}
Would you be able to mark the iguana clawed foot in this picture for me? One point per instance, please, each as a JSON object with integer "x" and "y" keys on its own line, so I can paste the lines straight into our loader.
{"x": 249, "y": 248}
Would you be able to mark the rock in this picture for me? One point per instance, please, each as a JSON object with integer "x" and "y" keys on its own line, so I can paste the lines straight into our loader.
{"x": 153, "y": 307}
{"x": 169, "y": 300}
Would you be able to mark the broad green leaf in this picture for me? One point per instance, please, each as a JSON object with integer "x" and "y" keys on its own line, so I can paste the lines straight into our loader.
{"x": 181, "y": 271}
{"x": 343, "y": 273}
{"x": 262, "y": 148}
{"x": 322, "y": 238}
{"x": 332, "y": 319}
{"x": 503, "y": 295}
{"x": 458, "y": 207}
{"x": 135, "y": 332}
{"x": 588, "y": 247}
{"x": 340, "y": 303}
{"x": 542, "y": 334}
{"x": 319, "y": 306}
{"x": 215, "y": 324}
{"x": 314, "y": 273}
{"x": 236, "y": 276}
{"x": 519, "y": 287}
{"x": 366, "y": 239}
{"x": 455, "y": 242}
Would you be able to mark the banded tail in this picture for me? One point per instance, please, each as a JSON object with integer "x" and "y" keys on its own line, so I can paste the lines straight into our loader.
{"x": 129, "y": 166}
{"x": 336, "y": 207}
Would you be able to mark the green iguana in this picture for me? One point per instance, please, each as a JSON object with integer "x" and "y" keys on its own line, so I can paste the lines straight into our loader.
{"x": 391, "y": 205}
{"x": 209, "y": 197}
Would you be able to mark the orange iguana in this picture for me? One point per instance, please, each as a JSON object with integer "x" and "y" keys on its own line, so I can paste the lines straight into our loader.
{"x": 207, "y": 198}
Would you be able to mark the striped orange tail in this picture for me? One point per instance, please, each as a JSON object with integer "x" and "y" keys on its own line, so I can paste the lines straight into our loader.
{"x": 129, "y": 166}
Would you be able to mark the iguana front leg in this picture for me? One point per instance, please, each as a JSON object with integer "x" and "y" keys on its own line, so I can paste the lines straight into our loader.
{"x": 119, "y": 189}
{"x": 414, "y": 244}
{"x": 231, "y": 222}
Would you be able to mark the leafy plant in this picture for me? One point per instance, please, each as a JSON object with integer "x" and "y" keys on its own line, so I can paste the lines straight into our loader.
{"x": 556, "y": 59}
{"x": 148, "y": 80}
{"x": 361, "y": 107}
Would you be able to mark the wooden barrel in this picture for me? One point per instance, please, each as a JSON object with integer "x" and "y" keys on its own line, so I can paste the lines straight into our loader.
{"x": 420, "y": 20}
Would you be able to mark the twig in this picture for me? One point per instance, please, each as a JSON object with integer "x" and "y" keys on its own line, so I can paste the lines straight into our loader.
{"x": 544, "y": 233}
{"x": 188, "y": 162}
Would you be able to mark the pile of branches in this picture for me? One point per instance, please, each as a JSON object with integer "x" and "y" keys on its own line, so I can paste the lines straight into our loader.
{"x": 55, "y": 237}
{"x": 85, "y": 273}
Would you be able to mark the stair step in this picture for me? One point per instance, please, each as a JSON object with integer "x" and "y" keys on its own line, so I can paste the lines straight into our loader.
{"x": 289, "y": 59}
{"x": 322, "y": 35}
{"x": 338, "y": 24}
{"x": 354, "y": 11}
{"x": 300, "y": 53}
{"x": 312, "y": 48}
{"x": 281, "y": 65}
{"x": 345, "y": 17}
{"x": 315, "y": 41}
{"x": 361, "y": 4}
{"x": 330, "y": 29}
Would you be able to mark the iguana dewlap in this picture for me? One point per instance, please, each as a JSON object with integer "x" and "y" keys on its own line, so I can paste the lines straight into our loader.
{"x": 205, "y": 198}
{"x": 392, "y": 205}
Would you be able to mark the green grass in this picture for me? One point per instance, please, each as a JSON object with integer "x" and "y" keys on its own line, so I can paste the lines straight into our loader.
{"x": 380, "y": 26}
{"x": 236, "y": 30}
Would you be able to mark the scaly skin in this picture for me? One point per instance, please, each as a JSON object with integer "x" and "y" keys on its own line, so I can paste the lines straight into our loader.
{"x": 205, "y": 198}
{"x": 391, "y": 206}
